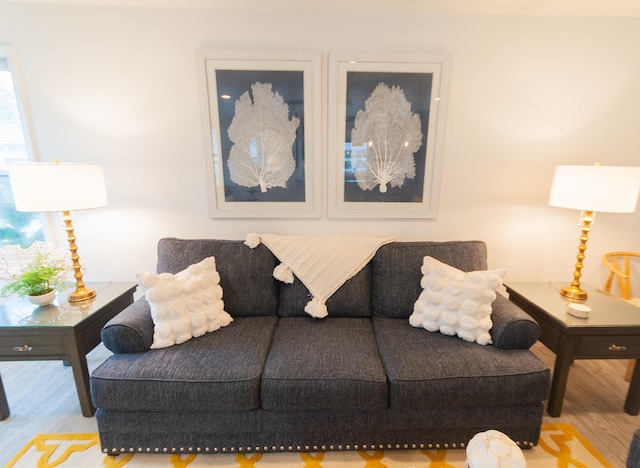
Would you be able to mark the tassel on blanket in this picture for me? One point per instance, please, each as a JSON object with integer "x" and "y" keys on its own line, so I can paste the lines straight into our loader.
{"x": 252, "y": 240}
{"x": 316, "y": 308}
{"x": 283, "y": 273}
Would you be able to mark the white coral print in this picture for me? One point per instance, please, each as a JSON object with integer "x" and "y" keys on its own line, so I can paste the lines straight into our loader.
{"x": 262, "y": 136}
{"x": 387, "y": 134}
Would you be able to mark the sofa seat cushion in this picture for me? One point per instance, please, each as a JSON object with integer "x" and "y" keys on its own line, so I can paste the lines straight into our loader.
{"x": 431, "y": 370}
{"x": 324, "y": 365}
{"x": 216, "y": 371}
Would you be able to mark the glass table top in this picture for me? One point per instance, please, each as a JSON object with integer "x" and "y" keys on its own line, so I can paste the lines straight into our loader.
{"x": 19, "y": 312}
{"x": 606, "y": 310}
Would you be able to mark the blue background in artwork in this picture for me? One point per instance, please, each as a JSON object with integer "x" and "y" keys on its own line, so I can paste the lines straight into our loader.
{"x": 417, "y": 90}
{"x": 289, "y": 84}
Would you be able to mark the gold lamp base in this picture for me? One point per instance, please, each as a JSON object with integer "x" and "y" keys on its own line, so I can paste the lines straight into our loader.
{"x": 81, "y": 293}
{"x": 574, "y": 292}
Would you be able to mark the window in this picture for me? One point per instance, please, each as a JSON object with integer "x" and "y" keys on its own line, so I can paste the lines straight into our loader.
{"x": 15, "y": 227}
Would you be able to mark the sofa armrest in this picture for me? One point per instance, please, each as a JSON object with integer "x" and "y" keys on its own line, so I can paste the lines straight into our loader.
{"x": 512, "y": 328}
{"x": 131, "y": 331}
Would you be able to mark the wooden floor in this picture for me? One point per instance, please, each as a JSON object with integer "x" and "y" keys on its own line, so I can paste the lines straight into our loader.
{"x": 42, "y": 399}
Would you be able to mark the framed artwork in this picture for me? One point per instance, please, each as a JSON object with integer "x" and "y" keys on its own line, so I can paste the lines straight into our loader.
{"x": 386, "y": 132}
{"x": 262, "y": 122}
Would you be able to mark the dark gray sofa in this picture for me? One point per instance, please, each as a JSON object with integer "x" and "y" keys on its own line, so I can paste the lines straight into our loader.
{"x": 276, "y": 379}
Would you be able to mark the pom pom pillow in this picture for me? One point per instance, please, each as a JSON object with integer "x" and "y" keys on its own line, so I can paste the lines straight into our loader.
{"x": 184, "y": 305}
{"x": 456, "y": 303}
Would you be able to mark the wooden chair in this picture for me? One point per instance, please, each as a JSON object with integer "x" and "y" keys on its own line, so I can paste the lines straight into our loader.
{"x": 619, "y": 268}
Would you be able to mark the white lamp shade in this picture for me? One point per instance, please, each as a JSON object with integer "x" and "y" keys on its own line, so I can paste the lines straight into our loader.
{"x": 57, "y": 187}
{"x": 612, "y": 189}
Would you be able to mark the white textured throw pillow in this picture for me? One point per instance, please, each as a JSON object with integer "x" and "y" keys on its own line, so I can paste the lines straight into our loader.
{"x": 456, "y": 303}
{"x": 184, "y": 305}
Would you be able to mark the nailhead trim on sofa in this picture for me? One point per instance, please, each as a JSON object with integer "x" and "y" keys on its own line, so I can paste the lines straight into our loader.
{"x": 298, "y": 448}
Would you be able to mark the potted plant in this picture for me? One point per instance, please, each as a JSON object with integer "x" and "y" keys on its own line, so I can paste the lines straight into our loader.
{"x": 36, "y": 272}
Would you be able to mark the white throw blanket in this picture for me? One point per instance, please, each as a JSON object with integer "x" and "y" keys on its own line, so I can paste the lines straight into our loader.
{"x": 322, "y": 263}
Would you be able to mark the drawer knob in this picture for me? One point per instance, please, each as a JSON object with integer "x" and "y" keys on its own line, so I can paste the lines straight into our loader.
{"x": 23, "y": 348}
{"x": 617, "y": 348}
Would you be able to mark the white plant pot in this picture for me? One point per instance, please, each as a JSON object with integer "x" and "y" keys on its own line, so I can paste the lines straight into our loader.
{"x": 43, "y": 299}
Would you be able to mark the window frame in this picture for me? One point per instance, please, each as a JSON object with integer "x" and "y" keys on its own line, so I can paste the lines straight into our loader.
{"x": 8, "y": 53}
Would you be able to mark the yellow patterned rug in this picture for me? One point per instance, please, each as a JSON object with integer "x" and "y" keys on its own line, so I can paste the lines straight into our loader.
{"x": 560, "y": 446}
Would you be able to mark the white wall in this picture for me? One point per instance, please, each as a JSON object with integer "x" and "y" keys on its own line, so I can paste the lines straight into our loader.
{"x": 118, "y": 86}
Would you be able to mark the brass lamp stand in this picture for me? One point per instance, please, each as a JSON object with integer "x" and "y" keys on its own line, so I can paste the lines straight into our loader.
{"x": 573, "y": 291}
{"x": 81, "y": 293}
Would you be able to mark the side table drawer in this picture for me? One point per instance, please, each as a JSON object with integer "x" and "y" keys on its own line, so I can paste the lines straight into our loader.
{"x": 609, "y": 347}
{"x": 25, "y": 346}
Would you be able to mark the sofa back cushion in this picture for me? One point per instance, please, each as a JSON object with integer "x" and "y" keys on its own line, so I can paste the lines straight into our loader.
{"x": 352, "y": 299}
{"x": 246, "y": 275}
{"x": 396, "y": 271}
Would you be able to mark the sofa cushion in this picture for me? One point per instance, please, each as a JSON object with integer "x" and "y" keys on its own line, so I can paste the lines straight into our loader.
{"x": 396, "y": 271}
{"x": 246, "y": 275}
{"x": 456, "y": 303}
{"x": 216, "y": 371}
{"x": 324, "y": 365}
{"x": 184, "y": 305}
{"x": 352, "y": 299}
{"x": 431, "y": 370}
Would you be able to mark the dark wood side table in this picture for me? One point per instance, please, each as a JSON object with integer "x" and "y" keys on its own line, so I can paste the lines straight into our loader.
{"x": 611, "y": 331}
{"x": 60, "y": 331}
{"x": 4, "y": 406}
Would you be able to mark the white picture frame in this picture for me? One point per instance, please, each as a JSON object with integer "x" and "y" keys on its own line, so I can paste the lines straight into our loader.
{"x": 294, "y": 94}
{"x": 353, "y": 77}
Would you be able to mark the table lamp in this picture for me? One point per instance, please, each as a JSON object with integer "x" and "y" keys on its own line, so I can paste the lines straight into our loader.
{"x": 612, "y": 189}
{"x": 46, "y": 187}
